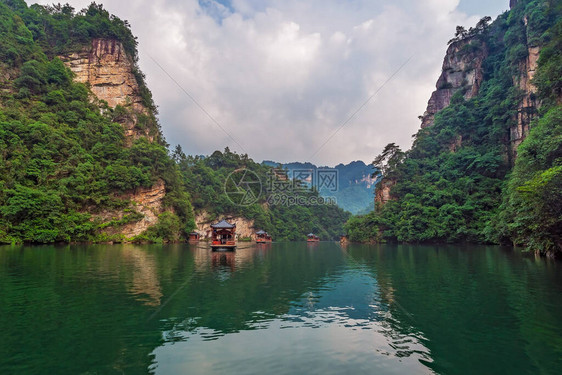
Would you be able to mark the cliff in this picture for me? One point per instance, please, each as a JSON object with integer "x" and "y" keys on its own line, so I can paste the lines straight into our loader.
{"x": 461, "y": 71}
{"x": 485, "y": 166}
{"x": 109, "y": 71}
{"x": 82, "y": 155}
{"x": 529, "y": 104}
{"x": 382, "y": 192}
{"x": 145, "y": 205}
{"x": 106, "y": 68}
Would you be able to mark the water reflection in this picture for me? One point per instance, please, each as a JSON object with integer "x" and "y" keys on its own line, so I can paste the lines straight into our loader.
{"x": 145, "y": 283}
{"x": 336, "y": 322}
{"x": 223, "y": 260}
{"x": 329, "y": 308}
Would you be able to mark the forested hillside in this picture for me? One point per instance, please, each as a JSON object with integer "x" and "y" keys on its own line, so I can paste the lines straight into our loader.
{"x": 466, "y": 178}
{"x": 288, "y": 213}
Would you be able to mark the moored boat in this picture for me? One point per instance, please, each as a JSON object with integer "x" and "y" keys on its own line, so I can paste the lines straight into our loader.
{"x": 194, "y": 237}
{"x": 311, "y": 237}
{"x": 263, "y": 237}
{"x": 223, "y": 236}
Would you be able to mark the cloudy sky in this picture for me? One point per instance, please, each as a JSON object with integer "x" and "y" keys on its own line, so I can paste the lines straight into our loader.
{"x": 277, "y": 78}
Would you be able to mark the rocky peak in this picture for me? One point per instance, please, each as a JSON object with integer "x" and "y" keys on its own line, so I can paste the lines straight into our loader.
{"x": 109, "y": 71}
{"x": 462, "y": 70}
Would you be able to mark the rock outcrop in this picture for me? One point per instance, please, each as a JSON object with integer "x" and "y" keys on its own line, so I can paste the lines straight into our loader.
{"x": 527, "y": 109}
{"x": 462, "y": 70}
{"x": 144, "y": 201}
{"x": 382, "y": 192}
{"x": 528, "y": 106}
{"x": 109, "y": 71}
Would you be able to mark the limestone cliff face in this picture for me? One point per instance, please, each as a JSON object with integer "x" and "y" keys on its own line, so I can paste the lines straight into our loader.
{"x": 528, "y": 106}
{"x": 527, "y": 109}
{"x": 382, "y": 191}
{"x": 109, "y": 71}
{"x": 462, "y": 70}
{"x": 107, "y": 68}
{"x": 145, "y": 201}
{"x": 244, "y": 227}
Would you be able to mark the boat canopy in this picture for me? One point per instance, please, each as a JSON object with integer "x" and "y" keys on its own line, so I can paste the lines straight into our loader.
{"x": 261, "y": 232}
{"x": 223, "y": 224}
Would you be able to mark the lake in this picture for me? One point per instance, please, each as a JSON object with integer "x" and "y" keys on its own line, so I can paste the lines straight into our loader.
{"x": 283, "y": 308}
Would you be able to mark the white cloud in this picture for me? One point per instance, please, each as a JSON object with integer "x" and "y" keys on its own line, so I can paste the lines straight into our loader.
{"x": 281, "y": 76}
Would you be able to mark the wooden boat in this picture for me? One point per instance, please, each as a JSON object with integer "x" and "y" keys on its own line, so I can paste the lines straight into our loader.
{"x": 263, "y": 237}
{"x": 194, "y": 237}
{"x": 312, "y": 238}
{"x": 223, "y": 236}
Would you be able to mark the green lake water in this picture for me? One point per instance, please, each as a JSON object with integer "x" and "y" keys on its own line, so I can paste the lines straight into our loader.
{"x": 283, "y": 308}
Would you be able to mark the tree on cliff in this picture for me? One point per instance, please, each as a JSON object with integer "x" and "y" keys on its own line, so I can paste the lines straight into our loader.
{"x": 386, "y": 163}
{"x": 481, "y": 28}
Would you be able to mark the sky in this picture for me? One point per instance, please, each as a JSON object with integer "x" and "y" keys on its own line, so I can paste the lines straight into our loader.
{"x": 325, "y": 81}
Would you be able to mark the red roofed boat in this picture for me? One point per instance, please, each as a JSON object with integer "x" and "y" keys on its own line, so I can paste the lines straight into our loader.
{"x": 312, "y": 238}
{"x": 223, "y": 236}
{"x": 263, "y": 237}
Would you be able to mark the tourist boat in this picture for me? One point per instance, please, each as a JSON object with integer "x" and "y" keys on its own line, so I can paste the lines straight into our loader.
{"x": 194, "y": 237}
{"x": 263, "y": 237}
{"x": 223, "y": 236}
{"x": 312, "y": 238}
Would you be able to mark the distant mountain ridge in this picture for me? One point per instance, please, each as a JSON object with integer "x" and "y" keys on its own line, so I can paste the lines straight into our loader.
{"x": 355, "y": 188}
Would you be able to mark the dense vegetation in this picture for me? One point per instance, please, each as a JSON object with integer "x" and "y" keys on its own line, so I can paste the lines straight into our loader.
{"x": 63, "y": 157}
{"x": 207, "y": 179}
{"x": 456, "y": 183}
{"x": 531, "y": 213}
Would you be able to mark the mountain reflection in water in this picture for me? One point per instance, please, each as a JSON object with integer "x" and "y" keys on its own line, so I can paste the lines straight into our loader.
{"x": 281, "y": 308}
